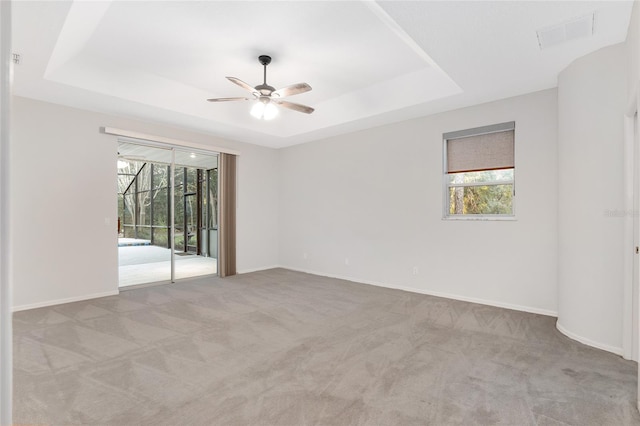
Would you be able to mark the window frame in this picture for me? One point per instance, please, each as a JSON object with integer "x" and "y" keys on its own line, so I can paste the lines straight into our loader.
{"x": 446, "y": 185}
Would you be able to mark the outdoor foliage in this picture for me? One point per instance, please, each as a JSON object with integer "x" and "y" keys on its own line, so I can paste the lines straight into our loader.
{"x": 143, "y": 198}
{"x": 495, "y": 197}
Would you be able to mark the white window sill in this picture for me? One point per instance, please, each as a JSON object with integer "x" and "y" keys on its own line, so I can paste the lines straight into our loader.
{"x": 481, "y": 218}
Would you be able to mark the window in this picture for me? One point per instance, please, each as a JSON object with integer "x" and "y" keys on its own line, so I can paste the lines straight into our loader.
{"x": 479, "y": 172}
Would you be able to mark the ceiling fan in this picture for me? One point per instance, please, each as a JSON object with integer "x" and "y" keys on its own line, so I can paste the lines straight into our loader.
{"x": 267, "y": 96}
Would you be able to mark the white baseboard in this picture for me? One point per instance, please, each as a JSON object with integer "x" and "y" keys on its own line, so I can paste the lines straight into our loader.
{"x": 263, "y": 268}
{"x": 588, "y": 342}
{"x": 67, "y": 300}
{"x": 435, "y": 293}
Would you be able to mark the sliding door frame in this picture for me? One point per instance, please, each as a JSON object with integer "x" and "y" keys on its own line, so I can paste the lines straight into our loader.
{"x": 172, "y": 213}
{"x": 172, "y": 169}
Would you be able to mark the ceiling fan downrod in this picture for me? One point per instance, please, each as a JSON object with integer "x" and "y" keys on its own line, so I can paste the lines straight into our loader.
{"x": 264, "y": 88}
{"x": 265, "y": 60}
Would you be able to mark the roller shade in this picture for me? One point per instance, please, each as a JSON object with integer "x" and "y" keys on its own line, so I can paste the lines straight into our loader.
{"x": 490, "y": 151}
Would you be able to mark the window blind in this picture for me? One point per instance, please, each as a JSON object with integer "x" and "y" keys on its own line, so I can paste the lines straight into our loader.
{"x": 488, "y": 151}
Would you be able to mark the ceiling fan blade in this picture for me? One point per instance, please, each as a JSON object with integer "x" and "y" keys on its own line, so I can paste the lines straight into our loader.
{"x": 295, "y": 107}
{"x": 227, "y": 99}
{"x": 294, "y": 89}
{"x": 241, "y": 84}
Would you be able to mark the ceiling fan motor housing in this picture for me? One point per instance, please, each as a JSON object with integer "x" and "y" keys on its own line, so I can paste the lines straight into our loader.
{"x": 265, "y": 89}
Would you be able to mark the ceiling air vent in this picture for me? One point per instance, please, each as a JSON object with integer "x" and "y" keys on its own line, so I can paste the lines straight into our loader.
{"x": 570, "y": 30}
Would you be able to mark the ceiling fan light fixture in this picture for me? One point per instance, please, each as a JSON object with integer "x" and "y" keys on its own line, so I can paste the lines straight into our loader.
{"x": 264, "y": 110}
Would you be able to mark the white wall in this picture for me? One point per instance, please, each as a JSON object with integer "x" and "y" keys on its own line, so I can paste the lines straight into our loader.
{"x": 591, "y": 104}
{"x": 64, "y": 188}
{"x": 630, "y": 319}
{"x": 375, "y": 197}
{"x": 633, "y": 46}
{"x": 6, "y": 330}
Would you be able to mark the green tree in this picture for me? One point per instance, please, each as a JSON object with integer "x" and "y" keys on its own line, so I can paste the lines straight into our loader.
{"x": 496, "y": 198}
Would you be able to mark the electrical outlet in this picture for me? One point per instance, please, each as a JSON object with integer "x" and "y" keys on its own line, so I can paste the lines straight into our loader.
{"x": 415, "y": 270}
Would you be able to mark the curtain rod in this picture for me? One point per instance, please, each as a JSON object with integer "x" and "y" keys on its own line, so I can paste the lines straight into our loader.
{"x": 162, "y": 139}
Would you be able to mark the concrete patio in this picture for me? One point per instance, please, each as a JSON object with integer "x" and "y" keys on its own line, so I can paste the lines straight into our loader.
{"x": 141, "y": 264}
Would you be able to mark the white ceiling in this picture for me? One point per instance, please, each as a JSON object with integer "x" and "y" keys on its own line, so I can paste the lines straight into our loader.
{"x": 369, "y": 63}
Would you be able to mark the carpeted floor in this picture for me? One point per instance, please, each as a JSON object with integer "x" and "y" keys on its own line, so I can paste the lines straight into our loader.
{"x": 285, "y": 348}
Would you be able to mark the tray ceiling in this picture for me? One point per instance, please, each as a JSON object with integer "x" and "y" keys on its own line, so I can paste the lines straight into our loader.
{"x": 369, "y": 63}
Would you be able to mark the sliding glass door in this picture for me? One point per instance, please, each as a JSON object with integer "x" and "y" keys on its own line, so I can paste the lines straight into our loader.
{"x": 167, "y": 213}
{"x": 195, "y": 220}
{"x": 144, "y": 249}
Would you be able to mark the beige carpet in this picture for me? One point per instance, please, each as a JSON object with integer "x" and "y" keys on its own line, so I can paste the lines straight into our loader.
{"x": 285, "y": 348}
